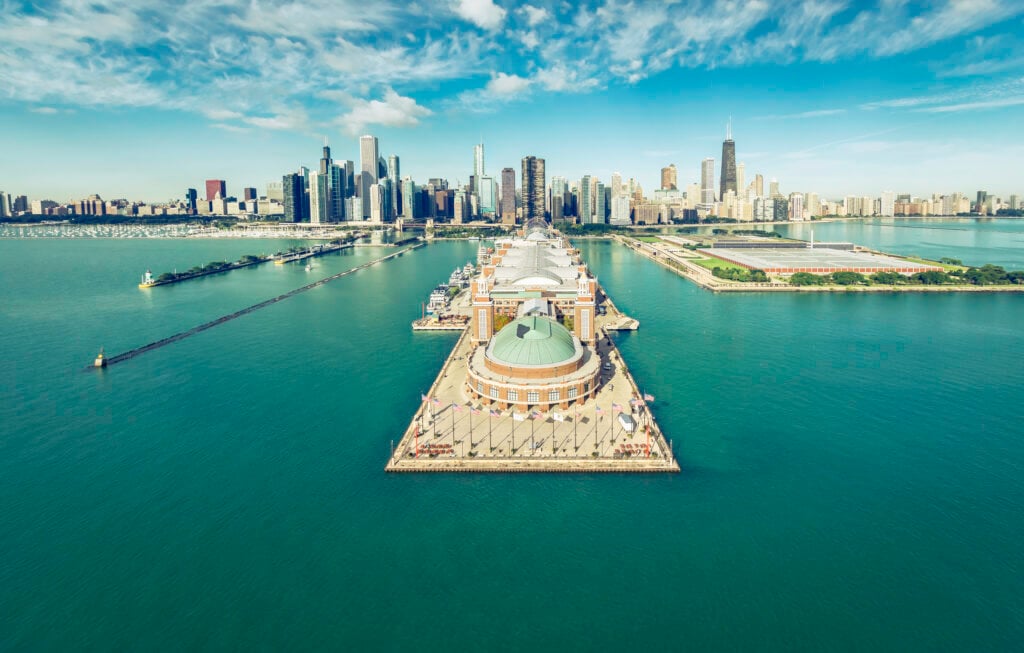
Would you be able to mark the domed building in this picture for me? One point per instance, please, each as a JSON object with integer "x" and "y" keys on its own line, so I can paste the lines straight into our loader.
{"x": 542, "y": 302}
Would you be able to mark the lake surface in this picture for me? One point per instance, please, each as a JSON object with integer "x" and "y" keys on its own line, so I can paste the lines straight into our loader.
{"x": 975, "y": 241}
{"x": 853, "y": 468}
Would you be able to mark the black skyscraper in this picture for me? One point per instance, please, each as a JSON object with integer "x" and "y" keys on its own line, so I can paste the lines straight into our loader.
{"x": 728, "y": 179}
{"x": 296, "y": 204}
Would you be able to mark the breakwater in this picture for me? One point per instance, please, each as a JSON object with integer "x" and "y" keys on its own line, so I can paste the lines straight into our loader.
{"x": 119, "y": 358}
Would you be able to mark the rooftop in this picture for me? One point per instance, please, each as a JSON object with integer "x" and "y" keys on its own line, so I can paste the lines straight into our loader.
{"x": 533, "y": 340}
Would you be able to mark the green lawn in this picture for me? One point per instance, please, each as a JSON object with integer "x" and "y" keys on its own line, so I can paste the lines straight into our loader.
{"x": 648, "y": 239}
{"x": 944, "y": 266}
{"x": 713, "y": 262}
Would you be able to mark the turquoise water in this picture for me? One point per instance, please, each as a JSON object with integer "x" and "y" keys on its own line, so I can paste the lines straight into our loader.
{"x": 853, "y": 469}
{"x": 974, "y": 241}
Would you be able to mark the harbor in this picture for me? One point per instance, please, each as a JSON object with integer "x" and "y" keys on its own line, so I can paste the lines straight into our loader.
{"x": 545, "y": 391}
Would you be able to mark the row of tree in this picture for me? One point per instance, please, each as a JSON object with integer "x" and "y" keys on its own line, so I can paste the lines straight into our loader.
{"x": 212, "y": 266}
{"x": 986, "y": 275}
{"x": 739, "y": 274}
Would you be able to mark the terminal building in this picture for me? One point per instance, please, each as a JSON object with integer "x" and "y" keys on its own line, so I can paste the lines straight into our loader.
{"x": 534, "y": 306}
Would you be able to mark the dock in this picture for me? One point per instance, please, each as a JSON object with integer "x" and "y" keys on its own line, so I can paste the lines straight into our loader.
{"x": 450, "y": 434}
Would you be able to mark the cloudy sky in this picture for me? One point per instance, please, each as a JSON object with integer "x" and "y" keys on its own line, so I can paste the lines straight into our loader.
{"x": 143, "y": 98}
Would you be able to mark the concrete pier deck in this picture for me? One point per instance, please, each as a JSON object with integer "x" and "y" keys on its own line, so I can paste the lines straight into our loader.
{"x": 450, "y": 433}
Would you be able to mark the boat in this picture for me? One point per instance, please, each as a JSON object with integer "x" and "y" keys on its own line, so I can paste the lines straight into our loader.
{"x": 309, "y": 266}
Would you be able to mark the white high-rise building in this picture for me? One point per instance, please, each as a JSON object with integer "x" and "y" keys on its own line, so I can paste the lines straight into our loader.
{"x": 707, "y": 182}
{"x": 620, "y": 210}
{"x": 319, "y": 198}
{"x": 888, "y": 207}
{"x": 377, "y": 205}
{"x": 368, "y": 157}
{"x": 741, "y": 179}
{"x": 478, "y": 161}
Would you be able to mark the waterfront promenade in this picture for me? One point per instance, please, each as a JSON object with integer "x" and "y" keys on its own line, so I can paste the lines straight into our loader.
{"x": 450, "y": 433}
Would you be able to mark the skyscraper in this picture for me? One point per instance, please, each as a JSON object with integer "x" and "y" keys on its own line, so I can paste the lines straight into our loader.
{"x": 294, "y": 189}
{"x": 669, "y": 177}
{"x": 478, "y": 161}
{"x": 707, "y": 182}
{"x": 319, "y": 198}
{"x": 248, "y": 194}
{"x": 741, "y": 179}
{"x": 368, "y": 155}
{"x": 216, "y": 189}
{"x": 409, "y": 211}
{"x": 508, "y": 196}
{"x": 191, "y": 196}
{"x": 394, "y": 174}
{"x": 759, "y": 185}
{"x": 586, "y": 206}
{"x": 533, "y": 181}
{"x": 728, "y": 163}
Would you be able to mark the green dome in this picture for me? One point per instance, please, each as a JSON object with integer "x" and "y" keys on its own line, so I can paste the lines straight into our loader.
{"x": 533, "y": 340}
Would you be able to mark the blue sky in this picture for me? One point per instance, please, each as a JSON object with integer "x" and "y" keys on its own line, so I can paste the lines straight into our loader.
{"x": 143, "y": 98}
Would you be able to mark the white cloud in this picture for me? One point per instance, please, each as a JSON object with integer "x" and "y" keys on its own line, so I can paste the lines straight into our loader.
{"x": 504, "y": 84}
{"x": 482, "y": 13}
{"x": 46, "y": 111}
{"x": 393, "y": 110}
{"x": 534, "y": 15}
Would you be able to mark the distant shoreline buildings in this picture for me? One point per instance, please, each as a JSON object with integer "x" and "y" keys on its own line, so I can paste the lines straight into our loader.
{"x": 337, "y": 192}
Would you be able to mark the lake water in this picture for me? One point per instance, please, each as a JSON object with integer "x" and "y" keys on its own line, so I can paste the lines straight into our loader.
{"x": 853, "y": 468}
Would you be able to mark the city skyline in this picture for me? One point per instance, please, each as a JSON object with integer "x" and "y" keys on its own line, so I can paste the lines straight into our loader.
{"x": 831, "y": 97}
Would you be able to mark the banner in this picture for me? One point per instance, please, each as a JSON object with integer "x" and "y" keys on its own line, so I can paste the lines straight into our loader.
{"x": 519, "y": 417}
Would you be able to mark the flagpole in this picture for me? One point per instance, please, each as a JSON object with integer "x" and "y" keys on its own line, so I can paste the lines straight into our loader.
{"x": 490, "y": 414}
{"x": 513, "y": 430}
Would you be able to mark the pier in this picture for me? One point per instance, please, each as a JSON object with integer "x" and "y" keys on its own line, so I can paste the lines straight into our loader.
{"x": 449, "y": 436}
{"x": 534, "y": 395}
{"x": 119, "y": 358}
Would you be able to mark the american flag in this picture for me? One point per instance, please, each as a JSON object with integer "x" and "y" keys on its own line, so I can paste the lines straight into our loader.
{"x": 423, "y": 397}
{"x": 635, "y": 402}
{"x": 537, "y": 415}
{"x": 475, "y": 411}
{"x": 457, "y": 408}
{"x": 597, "y": 409}
{"x": 648, "y": 397}
{"x": 616, "y": 407}
{"x": 436, "y": 401}
{"x": 495, "y": 413}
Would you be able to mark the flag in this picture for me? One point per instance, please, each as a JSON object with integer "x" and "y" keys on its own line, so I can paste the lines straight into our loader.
{"x": 537, "y": 415}
{"x": 519, "y": 417}
{"x": 648, "y": 397}
{"x": 474, "y": 410}
{"x": 616, "y": 407}
{"x": 558, "y": 417}
{"x": 635, "y": 402}
{"x": 457, "y": 408}
{"x": 423, "y": 397}
{"x": 436, "y": 401}
{"x": 495, "y": 413}
{"x": 597, "y": 409}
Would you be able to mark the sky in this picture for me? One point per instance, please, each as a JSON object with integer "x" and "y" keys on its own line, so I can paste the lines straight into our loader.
{"x": 144, "y": 98}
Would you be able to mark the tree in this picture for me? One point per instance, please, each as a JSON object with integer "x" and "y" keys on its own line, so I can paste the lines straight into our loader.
{"x": 806, "y": 279}
{"x": 849, "y": 278}
{"x": 758, "y": 276}
{"x": 888, "y": 278}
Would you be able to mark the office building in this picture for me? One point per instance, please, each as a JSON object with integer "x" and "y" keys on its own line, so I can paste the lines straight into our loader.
{"x": 295, "y": 204}
{"x": 728, "y": 180}
{"x": 191, "y": 196}
{"x": 707, "y": 182}
{"x": 508, "y": 196}
{"x": 534, "y": 184}
{"x": 669, "y": 178}
{"x": 216, "y": 189}
{"x": 368, "y": 170}
{"x": 248, "y": 194}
